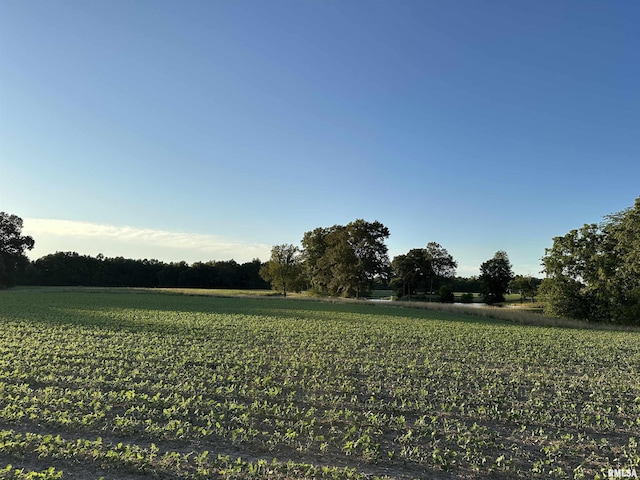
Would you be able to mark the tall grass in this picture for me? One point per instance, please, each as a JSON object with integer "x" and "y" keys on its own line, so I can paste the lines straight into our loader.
{"x": 515, "y": 315}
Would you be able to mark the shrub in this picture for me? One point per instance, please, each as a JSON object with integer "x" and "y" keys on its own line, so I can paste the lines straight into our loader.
{"x": 466, "y": 298}
{"x": 445, "y": 294}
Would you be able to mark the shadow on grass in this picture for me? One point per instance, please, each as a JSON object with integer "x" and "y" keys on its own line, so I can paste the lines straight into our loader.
{"x": 90, "y": 306}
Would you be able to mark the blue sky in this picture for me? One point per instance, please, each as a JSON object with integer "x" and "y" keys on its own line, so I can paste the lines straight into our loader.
{"x": 212, "y": 130}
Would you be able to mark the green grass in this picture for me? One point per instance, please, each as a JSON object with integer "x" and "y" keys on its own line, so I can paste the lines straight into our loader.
{"x": 120, "y": 383}
{"x": 216, "y": 292}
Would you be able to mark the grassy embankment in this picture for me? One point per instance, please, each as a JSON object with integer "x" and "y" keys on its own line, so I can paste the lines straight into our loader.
{"x": 119, "y": 383}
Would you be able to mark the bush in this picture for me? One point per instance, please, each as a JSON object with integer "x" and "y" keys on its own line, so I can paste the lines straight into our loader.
{"x": 466, "y": 298}
{"x": 445, "y": 294}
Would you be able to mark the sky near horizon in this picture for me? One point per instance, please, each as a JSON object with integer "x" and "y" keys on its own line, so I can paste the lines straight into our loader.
{"x": 205, "y": 131}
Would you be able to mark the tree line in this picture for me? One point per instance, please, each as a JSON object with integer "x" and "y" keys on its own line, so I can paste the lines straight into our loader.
{"x": 347, "y": 261}
{"x": 73, "y": 269}
{"x": 591, "y": 273}
{"x": 350, "y": 260}
{"x": 70, "y": 268}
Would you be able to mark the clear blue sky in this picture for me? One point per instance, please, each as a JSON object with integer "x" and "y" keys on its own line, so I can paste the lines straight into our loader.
{"x": 206, "y": 130}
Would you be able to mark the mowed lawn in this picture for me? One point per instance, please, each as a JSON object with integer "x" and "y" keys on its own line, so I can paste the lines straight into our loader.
{"x": 126, "y": 384}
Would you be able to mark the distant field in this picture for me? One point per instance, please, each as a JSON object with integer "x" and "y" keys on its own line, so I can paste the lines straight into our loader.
{"x": 133, "y": 384}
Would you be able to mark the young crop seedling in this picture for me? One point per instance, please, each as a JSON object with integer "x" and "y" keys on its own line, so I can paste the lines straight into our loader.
{"x": 173, "y": 386}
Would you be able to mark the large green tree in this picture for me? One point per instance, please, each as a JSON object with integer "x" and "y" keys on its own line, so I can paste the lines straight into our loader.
{"x": 526, "y": 286}
{"x": 284, "y": 268}
{"x": 593, "y": 273}
{"x": 315, "y": 245}
{"x": 422, "y": 269}
{"x": 12, "y": 248}
{"x": 344, "y": 260}
{"x": 624, "y": 229}
{"x": 443, "y": 266}
{"x": 411, "y": 272}
{"x": 367, "y": 239}
{"x": 495, "y": 275}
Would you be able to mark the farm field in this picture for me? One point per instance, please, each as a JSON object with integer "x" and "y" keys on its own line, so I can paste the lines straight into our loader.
{"x": 132, "y": 384}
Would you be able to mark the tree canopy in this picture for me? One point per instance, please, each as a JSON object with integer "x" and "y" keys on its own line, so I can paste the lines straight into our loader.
{"x": 526, "y": 286}
{"x": 422, "y": 269}
{"x": 411, "y": 272}
{"x": 284, "y": 268}
{"x": 12, "y": 248}
{"x": 71, "y": 268}
{"x": 593, "y": 273}
{"x": 345, "y": 260}
{"x": 495, "y": 275}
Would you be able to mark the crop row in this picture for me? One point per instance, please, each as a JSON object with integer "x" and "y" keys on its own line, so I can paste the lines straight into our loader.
{"x": 150, "y": 461}
{"x": 401, "y": 390}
